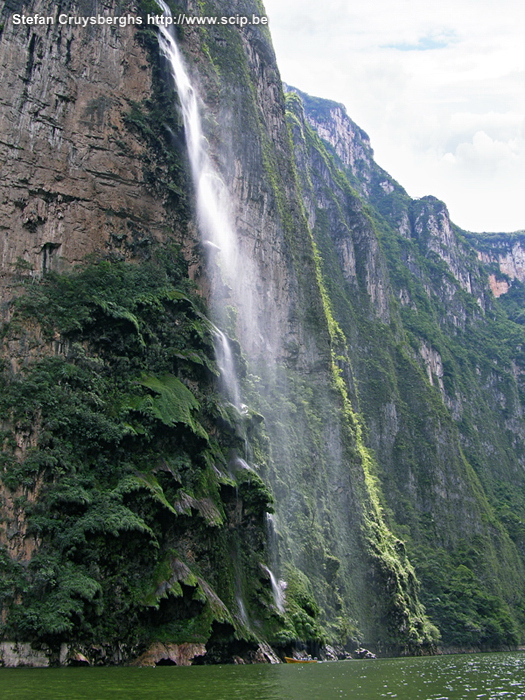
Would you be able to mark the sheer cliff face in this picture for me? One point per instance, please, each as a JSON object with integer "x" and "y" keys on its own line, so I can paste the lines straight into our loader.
{"x": 362, "y": 323}
{"x": 355, "y": 262}
{"x": 72, "y": 173}
{"x": 408, "y": 293}
{"x": 327, "y": 517}
{"x": 510, "y": 258}
{"x": 72, "y": 181}
{"x": 84, "y": 177}
{"x": 507, "y": 254}
{"x": 249, "y": 141}
{"x": 428, "y": 428}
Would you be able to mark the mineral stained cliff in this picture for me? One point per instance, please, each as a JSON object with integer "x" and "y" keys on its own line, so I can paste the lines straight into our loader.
{"x": 370, "y": 487}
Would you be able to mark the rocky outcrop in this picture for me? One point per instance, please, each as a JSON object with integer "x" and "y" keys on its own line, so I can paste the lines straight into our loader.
{"x": 506, "y": 253}
{"x": 265, "y": 655}
{"x": 434, "y": 366}
{"x": 349, "y": 141}
{"x": 338, "y": 212}
{"x": 498, "y": 286}
{"x": 165, "y": 654}
{"x": 432, "y": 227}
{"x": 354, "y": 154}
{"x": 511, "y": 262}
{"x": 17, "y": 655}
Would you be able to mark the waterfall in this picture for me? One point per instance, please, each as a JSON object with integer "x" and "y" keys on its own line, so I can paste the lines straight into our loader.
{"x": 266, "y": 291}
{"x": 212, "y": 205}
{"x": 228, "y": 376}
{"x": 278, "y": 588}
{"x": 252, "y": 296}
{"x": 219, "y": 240}
{"x": 210, "y": 193}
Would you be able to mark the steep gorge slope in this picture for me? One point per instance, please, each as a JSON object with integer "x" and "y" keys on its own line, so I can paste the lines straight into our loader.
{"x": 136, "y": 499}
{"x": 437, "y": 363}
{"x": 146, "y": 438}
{"x": 115, "y": 460}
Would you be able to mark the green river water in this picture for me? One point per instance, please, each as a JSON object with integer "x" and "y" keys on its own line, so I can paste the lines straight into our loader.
{"x": 480, "y": 676}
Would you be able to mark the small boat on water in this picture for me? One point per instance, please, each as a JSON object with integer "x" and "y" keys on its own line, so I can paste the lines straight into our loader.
{"x": 289, "y": 660}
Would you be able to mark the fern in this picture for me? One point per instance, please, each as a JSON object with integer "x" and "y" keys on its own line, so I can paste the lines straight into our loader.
{"x": 174, "y": 402}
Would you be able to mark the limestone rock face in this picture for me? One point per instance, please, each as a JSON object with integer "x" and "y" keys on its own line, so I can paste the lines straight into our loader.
{"x": 434, "y": 365}
{"x": 511, "y": 262}
{"x": 265, "y": 655}
{"x": 274, "y": 260}
{"x": 507, "y": 252}
{"x": 409, "y": 265}
{"x": 177, "y": 654}
{"x": 432, "y": 226}
{"x": 497, "y": 286}
{"x": 13, "y": 655}
{"x": 424, "y": 220}
{"x": 358, "y": 323}
{"x": 336, "y": 209}
{"x": 284, "y": 326}
{"x": 350, "y": 142}
{"x": 72, "y": 177}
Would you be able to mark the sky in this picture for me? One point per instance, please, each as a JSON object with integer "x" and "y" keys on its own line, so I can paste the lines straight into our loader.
{"x": 438, "y": 86}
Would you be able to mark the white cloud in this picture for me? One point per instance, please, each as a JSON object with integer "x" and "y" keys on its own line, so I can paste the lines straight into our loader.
{"x": 486, "y": 154}
{"x": 438, "y": 86}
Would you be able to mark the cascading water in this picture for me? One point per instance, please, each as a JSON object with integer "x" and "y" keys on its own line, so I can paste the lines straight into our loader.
{"x": 212, "y": 207}
{"x": 230, "y": 384}
{"x": 267, "y": 270}
{"x": 211, "y": 195}
{"x": 231, "y": 272}
{"x": 250, "y": 270}
{"x": 278, "y": 588}
{"x": 220, "y": 243}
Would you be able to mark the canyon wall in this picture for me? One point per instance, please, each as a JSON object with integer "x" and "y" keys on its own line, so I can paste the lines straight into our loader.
{"x": 376, "y": 460}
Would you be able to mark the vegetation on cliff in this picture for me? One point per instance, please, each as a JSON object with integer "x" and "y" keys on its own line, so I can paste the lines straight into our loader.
{"x": 432, "y": 366}
{"x": 116, "y": 451}
{"x": 384, "y": 391}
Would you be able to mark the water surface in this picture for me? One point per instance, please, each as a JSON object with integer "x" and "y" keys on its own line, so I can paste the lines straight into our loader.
{"x": 464, "y": 677}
